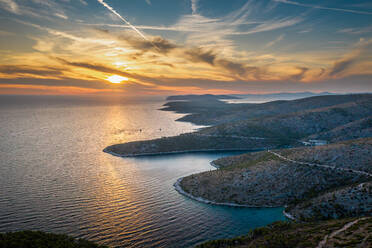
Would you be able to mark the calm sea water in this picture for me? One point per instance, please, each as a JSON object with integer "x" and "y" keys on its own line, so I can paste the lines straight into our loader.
{"x": 54, "y": 176}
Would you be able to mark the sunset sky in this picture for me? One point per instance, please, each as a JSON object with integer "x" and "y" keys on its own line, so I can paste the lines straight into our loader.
{"x": 162, "y": 47}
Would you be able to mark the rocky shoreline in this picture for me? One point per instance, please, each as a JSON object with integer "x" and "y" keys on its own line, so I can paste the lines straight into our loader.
{"x": 270, "y": 179}
{"x": 106, "y": 150}
{"x": 179, "y": 189}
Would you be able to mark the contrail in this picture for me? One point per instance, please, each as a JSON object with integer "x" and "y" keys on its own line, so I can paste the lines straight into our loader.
{"x": 321, "y": 7}
{"x": 123, "y": 19}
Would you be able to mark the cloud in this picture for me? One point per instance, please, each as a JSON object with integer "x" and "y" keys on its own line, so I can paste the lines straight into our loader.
{"x": 342, "y": 65}
{"x": 357, "y": 31}
{"x": 273, "y": 42}
{"x": 43, "y": 9}
{"x": 350, "y": 59}
{"x": 10, "y": 5}
{"x": 194, "y": 6}
{"x": 95, "y": 67}
{"x": 23, "y": 69}
{"x": 273, "y": 25}
{"x": 200, "y": 55}
{"x": 238, "y": 69}
{"x": 60, "y": 15}
{"x": 156, "y": 43}
{"x": 325, "y": 8}
{"x": 211, "y": 58}
{"x": 299, "y": 76}
{"x": 148, "y": 2}
{"x": 5, "y": 33}
{"x": 305, "y": 31}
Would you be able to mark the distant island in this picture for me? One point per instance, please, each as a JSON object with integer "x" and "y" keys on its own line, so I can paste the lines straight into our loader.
{"x": 262, "y": 126}
{"x": 311, "y": 155}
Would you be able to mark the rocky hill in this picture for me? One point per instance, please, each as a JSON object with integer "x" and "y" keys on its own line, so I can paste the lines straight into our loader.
{"x": 354, "y": 200}
{"x": 356, "y": 129}
{"x": 289, "y": 177}
{"x": 333, "y": 233}
{"x": 209, "y": 110}
{"x": 192, "y": 142}
{"x": 301, "y": 124}
{"x": 260, "y": 126}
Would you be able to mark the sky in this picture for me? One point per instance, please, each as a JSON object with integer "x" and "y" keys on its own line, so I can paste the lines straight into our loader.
{"x": 164, "y": 47}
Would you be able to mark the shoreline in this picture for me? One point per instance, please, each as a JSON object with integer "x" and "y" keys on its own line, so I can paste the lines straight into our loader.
{"x": 289, "y": 216}
{"x": 179, "y": 152}
{"x": 179, "y": 189}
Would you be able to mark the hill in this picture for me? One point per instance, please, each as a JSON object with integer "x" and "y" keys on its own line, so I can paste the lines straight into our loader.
{"x": 262, "y": 126}
{"x": 291, "y": 176}
{"x": 333, "y": 233}
{"x": 37, "y": 239}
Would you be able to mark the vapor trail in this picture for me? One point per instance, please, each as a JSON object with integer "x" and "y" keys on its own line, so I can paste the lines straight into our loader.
{"x": 123, "y": 19}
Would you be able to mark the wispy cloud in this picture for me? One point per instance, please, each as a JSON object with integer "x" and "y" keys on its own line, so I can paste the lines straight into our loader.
{"x": 359, "y": 30}
{"x": 322, "y": 7}
{"x": 24, "y": 69}
{"x": 148, "y": 2}
{"x": 273, "y": 25}
{"x": 351, "y": 58}
{"x": 194, "y": 6}
{"x": 5, "y": 33}
{"x": 273, "y": 42}
{"x": 60, "y": 15}
{"x": 305, "y": 31}
{"x": 10, "y": 5}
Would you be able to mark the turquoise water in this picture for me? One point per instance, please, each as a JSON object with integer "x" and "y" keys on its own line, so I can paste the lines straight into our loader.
{"x": 55, "y": 177}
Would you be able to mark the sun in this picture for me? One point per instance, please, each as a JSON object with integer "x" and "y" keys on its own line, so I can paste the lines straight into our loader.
{"x": 115, "y": 79}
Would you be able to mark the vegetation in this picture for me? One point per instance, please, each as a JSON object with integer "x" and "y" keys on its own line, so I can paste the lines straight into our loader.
{"x": 190, "y": 142}
{"x": 260, "y": 126}
{"x": 37, "y": 239}
{"x": 262, "y": 179}
{"x": 289, "y": 234}
{"x": 296, "y": 178}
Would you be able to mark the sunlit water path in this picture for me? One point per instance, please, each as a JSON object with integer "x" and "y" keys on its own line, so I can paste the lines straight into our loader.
{"x": 54, "y": 177}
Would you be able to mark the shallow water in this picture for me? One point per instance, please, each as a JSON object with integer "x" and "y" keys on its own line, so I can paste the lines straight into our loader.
{"x": 54, "y": 177}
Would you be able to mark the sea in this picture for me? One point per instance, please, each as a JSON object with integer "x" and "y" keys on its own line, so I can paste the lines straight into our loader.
{"x": 54, "y": 176}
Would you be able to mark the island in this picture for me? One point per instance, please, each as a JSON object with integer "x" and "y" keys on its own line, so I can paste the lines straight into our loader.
{"x": 311, "y": 156}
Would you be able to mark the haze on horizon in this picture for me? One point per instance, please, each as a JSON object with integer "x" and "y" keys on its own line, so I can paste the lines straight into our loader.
{"x": 162, "y": 47}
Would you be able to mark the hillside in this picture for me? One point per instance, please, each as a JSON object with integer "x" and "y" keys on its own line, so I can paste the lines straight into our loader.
{"x": 354, "y": 200}
{"x": 312, "y": 183}
{"x": 301, "y": 124}
{"x": 288, "y": 177}
{"x": 37, "y": 239}
{"x": 211, "y": 111}
{"x": 261, "y": 126}
{"x": 333, "y": 233}
{"x": 190, "y": 143}
{"x": 356, "y": 129}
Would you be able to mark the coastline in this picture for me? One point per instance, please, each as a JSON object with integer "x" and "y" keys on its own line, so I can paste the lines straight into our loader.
{"x": 289, "y": 216}
{"x": 179, "y": 189}
{"x": 179, "y": 152}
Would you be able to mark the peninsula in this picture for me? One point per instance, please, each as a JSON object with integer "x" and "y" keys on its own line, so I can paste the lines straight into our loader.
{"x": 285, "y": 166}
